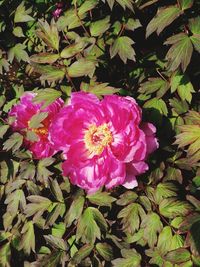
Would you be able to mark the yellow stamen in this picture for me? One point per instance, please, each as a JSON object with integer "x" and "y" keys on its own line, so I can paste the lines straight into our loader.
{"x": 41, "y": 131}
{"x": 96, "y": 138}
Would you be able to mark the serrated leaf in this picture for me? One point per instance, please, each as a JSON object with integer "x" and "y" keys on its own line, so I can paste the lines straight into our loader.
{"x": 5, "y": 255}
{"x": 152, "y": 226}
{"x": 3, "y": 130}
{"x": 37, "y": 119}
{"x": 82, "y": 253}
{"x": 126, "y": 4}
{"x": 171, "y": 207}
{"x": 27, "y": 242}
{"x": 89, "y": 225}
{"x": 22, "y": 15}
{"x": 59, "y": 229}
{"x": 101, "y": 199}
{"x": 132, "y": 24}
{"x": 131, "y": 259}
{"x": 180, "y": 52}
{"x": 56, "y": 242}
{"x": 73, "y": 49}
{"x": 194, "y": 25}
{"x": 82, "y": 67}
{"x": 49, "y": 73}
{"x": 165, "y": 190}
{"x": 18, "y": 52}
{"x": 196, "y": 42}
{"x": 14, "y": 142}
{"x": 38, "y": 205}
{"x": 131, "y": 217}
{"x": 179, "y": 255}
{"x": 44, "y": 58}
{"x": 153, "y": 85}
{"x": 99, "y": 89}
{"x": 75, "y": 210}
{"x": 126, "y": 198}
{"x": 164, "y": 17}
{"x": 55, "y": 189}
{"x": 157, "y": 104}
{"x": 47, "y": 95}
{"x": 42, "y": 172}
{"x": 87, "y": 6}
{"x": 105, "y": 250}
{"x": 15, "y": 200}
{"x": 185, "y": 4}
{"x": 164, "y": 240}
{"x": 49, "y": 33}
{"x": 179, "y": 106}
{"x": 98, "y": 27}
{"x": 123, "y": 47}
{"x": 177, "y": 241}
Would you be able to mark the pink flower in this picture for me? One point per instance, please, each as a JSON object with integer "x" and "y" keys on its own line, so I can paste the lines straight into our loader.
{"x": 23, "y": 112}
{"x": 56, "y": 13}
{"x": 104, "y": 142}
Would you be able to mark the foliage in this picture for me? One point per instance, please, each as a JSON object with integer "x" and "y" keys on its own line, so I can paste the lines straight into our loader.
{"x": 145, "y": 49}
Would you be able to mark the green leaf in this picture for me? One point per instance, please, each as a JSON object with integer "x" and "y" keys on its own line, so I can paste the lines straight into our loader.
{"x": 127, "y": 198}
{"x": 165, "y": 190}
{"x": 157, "y": 104}
{"x": 180, "y": 107}
{"x": 131, "y": 217}
{"x": 98, "y": 27}
{"x": 185, "y": 4}
{"x": 59, "y": 229}
{"x": 73, "y": 49}
{"x": 5, "y": 255}
{"x": 164, "y": 17}
{"x": 14, "y": 142}
{"x": 15, "y": 200}
{"x": 131, "y": 259}
{"x": 171, "y": 207}
{"x": 49, "y": 73}
{"x": 27, "y": 243}
{"x": 177, "y": 241}
{"x": 81, "y": 254}
{"x": 99, "y": 89}
{"x": 4, "y": 65}
{"x": 153, "y": 85}
{"x": 180, "y": 52}
{"x": 196, "y": 41}
{"x": 44, "y": 58}
{"x": 49, "y": 33}
{"x": 194, "y": 25}
{"x": 132, "y": 24}
{"x": 37, "y": 206}
{"x": 55, "y": 189}
{"x": 47, "y": 95}
{"x": 56, "y": 242}
{"x": 42, "y": 172}
{"x": 18, "y": 52}
{"x": 101, "y": 199}
{"x": 37, "y": 119}
{"x": 18, "y": 32}
{"x": 126, "y": 4}
{"x": 179, "y": 255}
{"x": 75, "y": 210}
{"x": 22, "y": 15}
{"x": 88, "y": 226}
{"x": 82, "y": 67}
{"x": 105, "y": 250}
{"x": 123, "y": 47}
{"x": 164, "y": 240}
{"x": 87, "y": 6}
{"x": 152, "y": 225}
{"x": 3, "y": 130}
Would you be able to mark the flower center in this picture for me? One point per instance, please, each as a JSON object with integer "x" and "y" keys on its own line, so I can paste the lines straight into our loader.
{"x": 96, "y": 138}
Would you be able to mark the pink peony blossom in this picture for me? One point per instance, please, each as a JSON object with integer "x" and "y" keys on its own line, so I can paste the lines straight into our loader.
{"x": 56, "y": 13}
{"x": 103, "y": 142}
{"x": 23, "y": 112}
